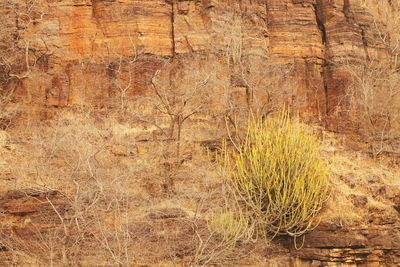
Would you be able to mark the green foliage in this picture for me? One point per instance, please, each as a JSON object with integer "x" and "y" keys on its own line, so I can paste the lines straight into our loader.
{"x": 276, "y": 176}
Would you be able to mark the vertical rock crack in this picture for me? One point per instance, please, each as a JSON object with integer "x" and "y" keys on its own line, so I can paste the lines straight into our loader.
{"x": 172, "y": 3}
{"x": 321, "y": 27}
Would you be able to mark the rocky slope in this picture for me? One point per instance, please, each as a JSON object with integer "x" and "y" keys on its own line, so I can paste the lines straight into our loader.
{"x": 32, "y": 216}
{"x": 86, "y": 191}
{"x": 92, "y": 52}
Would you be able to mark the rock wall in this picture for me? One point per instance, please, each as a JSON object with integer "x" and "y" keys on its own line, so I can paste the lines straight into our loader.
{"x": 72, "y": 45}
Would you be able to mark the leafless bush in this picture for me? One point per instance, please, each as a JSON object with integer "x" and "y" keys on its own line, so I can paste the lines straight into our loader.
{"x": 373, "y": 94}
{"x": 182, "y": 91}
{"x": 120, "y": 69}
{"x": 271, "y": 86}
{"x": 180, "y": 94}
{"x": 255, "y": 82}
{"x": 101, "y": 213}
{"x": 374, "y": 105}
{"x": 78, "y": 162}
{"x": 17, "y": 54}
{"x": 8, "y": 109}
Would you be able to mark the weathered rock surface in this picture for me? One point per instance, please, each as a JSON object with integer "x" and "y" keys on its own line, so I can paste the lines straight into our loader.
{"x": 74, "y": 46}
{"x": 372, "y": 246}
{"x": 330, "y": 245}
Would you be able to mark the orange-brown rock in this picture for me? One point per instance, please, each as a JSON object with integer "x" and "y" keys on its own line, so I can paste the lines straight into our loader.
{"x": 74, "y": 45}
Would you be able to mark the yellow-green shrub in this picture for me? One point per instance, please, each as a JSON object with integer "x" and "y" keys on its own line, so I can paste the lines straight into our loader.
{"x": 276, "y": 175}
{"x": 228, "y": 226}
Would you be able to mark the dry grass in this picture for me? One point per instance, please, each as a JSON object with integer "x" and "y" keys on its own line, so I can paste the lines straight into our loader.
{"x": 114, "y": 182}
{"x": 357, "y": 179}
{"x": 111, "y": 173}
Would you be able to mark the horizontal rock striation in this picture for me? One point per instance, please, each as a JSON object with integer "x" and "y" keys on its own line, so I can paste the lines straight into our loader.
{"x": 72, "y": 48}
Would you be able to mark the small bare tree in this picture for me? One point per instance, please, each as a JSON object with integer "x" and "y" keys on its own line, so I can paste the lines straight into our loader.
{"x": 255, "y": 82}
{"x": 120, "y": 69}
{"x": 373, "y": 94}
{"x": 18, "y": 54}
{"x": 181, "y": 91}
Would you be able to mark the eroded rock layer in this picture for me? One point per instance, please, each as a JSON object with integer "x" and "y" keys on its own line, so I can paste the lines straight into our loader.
{"x": 73, "y": 47}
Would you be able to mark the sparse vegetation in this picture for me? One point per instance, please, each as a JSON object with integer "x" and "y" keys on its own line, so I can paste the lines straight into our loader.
{"x": 373, "y": 94}
{"x": 127, "y": 181}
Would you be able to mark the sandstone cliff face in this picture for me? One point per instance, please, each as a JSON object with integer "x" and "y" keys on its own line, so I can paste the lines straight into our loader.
{"x": 89, "y": 52}
{"x": 73, "y": 44}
